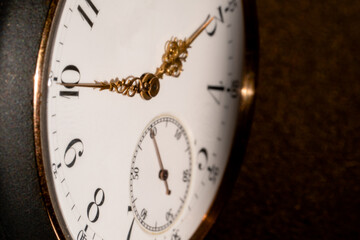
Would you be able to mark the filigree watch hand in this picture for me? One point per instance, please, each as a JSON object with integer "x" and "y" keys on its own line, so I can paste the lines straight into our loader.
{"x": 148, "y": 84}
{"x": 163, "y": 174}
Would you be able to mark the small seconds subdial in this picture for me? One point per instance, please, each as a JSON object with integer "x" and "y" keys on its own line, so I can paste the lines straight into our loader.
{"x": 160, "y": 174}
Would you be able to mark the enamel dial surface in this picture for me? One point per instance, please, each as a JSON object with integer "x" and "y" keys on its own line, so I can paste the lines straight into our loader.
{"x": 162, "y": 162}
{"x": 120, "y": 167}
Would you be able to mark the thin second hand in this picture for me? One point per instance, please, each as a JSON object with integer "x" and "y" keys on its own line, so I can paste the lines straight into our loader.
{"x": 152, "y": 136}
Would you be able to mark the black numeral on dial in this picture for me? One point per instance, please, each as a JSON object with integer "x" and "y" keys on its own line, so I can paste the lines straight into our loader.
{"x": 93, "y": 209}
{"x": 186, "y": 175}
{"x": 202, "y": 158}
{"x": 213, "y": 173}
{"x": 143, "y": 214}
{"x": 70, "y": 74}
{"x": 178, "y": 133}
{"x": 75, "y": 148}
{"x": 135, "y": 173}
{"x": 85, "y": 16}
{"x": 216, "y": 90}
{"x": 169, "y": 216}
{"x": 219, "y": 18}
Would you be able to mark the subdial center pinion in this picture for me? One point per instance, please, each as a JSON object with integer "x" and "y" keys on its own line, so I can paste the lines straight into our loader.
{"x": 163, "y": 174}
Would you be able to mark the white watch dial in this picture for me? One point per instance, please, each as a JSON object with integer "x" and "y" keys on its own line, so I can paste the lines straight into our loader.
{"x": 121, "y": 167}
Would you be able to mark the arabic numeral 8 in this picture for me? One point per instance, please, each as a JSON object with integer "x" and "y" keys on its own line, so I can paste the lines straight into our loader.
{"x": 93, "y": 209}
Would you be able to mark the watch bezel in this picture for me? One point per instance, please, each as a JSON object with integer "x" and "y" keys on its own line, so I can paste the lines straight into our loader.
{"x": 39, "y": 109}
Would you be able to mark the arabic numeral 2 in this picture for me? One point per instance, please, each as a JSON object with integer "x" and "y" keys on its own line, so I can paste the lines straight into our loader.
{"x": 93, "y": 209}
{"x": 219, "y": 17}
{"x": 213, "y": 25}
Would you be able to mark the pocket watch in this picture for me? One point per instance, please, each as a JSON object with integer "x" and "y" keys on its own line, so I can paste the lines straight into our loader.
{"x": 141, "y": 112}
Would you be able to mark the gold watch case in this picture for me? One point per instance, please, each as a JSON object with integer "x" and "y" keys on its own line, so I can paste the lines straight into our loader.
{"x": 245, "y": 111}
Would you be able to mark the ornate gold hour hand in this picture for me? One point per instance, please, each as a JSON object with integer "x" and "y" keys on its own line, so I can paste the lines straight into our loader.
{"x": 148, "y": 84}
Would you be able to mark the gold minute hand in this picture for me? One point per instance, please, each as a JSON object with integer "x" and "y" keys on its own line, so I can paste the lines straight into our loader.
{"x": 148, "y": 85}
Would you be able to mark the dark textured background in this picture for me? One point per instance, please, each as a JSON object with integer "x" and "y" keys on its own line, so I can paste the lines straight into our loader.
{"x": 301, "y": 175}
{"x": 21, "y": 209}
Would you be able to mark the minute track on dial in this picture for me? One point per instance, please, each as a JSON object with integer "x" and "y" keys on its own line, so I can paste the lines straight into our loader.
{"x": 148, "y": 84}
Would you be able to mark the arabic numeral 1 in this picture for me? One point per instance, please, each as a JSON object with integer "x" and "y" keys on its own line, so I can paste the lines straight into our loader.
{"x": 85, "y": 16}
{"x": 178, "y": 134}
{"x": 214, "y": 25}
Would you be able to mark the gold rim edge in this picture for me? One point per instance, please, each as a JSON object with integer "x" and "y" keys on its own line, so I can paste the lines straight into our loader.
{"x": 245, "y": 113}
{"x": 38, "y": 78}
